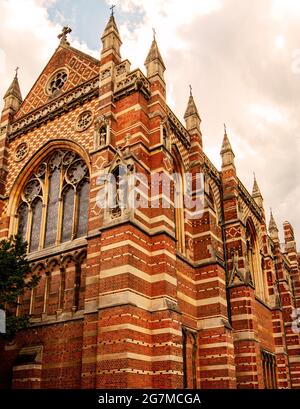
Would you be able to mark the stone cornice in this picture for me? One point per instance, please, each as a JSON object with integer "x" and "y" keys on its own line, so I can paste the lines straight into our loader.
{"x": 135, "y": 81}
{"x": 178, "y": 129}
{"x": 249, "y": 200}
{"x": 212, "y": 170}
{"x": 55, "y": 108}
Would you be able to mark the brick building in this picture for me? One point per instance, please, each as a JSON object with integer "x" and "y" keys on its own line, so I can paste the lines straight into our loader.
{"x": 149, "y": 296}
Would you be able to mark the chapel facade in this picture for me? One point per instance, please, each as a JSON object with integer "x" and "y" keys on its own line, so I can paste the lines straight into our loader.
{"x": 148, "y": 296}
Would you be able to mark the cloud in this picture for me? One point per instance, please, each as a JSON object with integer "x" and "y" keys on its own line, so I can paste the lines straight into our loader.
{"x": 243, "y": 60}
{"x": 28, "y": 39}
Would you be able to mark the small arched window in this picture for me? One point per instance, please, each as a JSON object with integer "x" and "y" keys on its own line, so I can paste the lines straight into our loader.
{"x": 255, "y": 261}
{"x": 53, "y": 207}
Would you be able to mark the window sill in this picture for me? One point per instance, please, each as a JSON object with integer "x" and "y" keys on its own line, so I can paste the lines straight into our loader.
{"x": 54, "y": 250}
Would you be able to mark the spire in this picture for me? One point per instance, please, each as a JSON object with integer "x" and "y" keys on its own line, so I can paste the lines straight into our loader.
{"x": 154, "y": 62}
{"x": 273, "y": 229}
{"x": 111, "y": 40}
{"x": 13, "y": 96}
{"x": 256, "y": 194}
{"x": 191, "y": 107}
{"x": 226, "y": 151}
{"x": 255, "y": 191}
{"x": 191, "y": 116}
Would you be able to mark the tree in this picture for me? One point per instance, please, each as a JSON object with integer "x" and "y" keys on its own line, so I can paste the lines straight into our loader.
{"x": 15, "y": 278}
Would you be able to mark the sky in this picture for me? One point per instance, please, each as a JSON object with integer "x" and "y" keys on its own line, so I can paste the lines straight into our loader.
{"x": 242, "y": 59}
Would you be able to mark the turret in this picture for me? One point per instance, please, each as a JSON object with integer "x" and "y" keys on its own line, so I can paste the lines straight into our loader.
{"x": 227, "y": 152}
{"x": 256, "y": 194}
{"x": 13, "y": 98}
{"x": 192, "y": 117}
{"x": 273, "y": 229}
{"x": 154, "y": 63}
{"x": 111, "y": 41}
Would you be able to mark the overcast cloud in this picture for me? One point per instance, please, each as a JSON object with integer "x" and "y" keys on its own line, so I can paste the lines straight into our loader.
{"x": 241, "y": 57}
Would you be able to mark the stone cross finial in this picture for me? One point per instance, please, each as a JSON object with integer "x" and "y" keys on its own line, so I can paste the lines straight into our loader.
{"x": 225, "y": 129}
{"x": 17, "y": 69}
{"x": 63, "y": 35}
{"x": 112, "y": 9}
{"x": 154, "y": 33}
{"x": 191, "y": 91}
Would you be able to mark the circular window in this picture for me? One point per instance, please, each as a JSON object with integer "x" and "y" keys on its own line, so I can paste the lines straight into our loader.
{"x": 84, "y": 120}
{"x": 56, "y": 82}
{"x": 21, "y": 151}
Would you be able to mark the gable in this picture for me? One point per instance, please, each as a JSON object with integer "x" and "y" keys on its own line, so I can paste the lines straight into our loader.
{"x": 80, "y": 68}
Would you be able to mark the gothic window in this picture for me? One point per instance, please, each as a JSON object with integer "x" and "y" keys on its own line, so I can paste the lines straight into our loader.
{"x": 255, "y": 262}
{"x": 56, "y": 82}
{"x": 53, "y": 207}
{"x": 68, "y": 208}
{"x": 36, "y": 211}
{"x": 189, "y": 351}
{"x": 21, "y": 151}
{"x": 269, "y": 370}
{"x": 23, "y": 217}
{"x": 212, "y": 203}
{"x": 84, "y": 120}
{"x": 179, "y": 204}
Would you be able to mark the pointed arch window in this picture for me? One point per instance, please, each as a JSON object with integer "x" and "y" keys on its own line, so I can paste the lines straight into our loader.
{"x": 53, "y": 207}
{"x": 179, "y": 204}
{"x": 255, "y": 261}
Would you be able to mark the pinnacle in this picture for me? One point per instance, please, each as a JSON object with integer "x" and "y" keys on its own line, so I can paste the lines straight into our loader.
{"x": 191, "y": 108}
{"x": 226, "y": 146}
{"x": 154, "y": 54}
{"x": 272, "y": 224}
{"x": 14, "y": 89}
{"x": 111, "y": 25}
{"x": 255, "y": 190}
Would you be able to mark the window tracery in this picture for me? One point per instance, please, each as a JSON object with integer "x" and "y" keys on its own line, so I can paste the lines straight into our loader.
{"x": 53, "y": 206}
{"x": 56, "y": 82}
{"x": 255, "y": 261}
{"x": 84, "y": 121}
{"x": 179, "y": 205}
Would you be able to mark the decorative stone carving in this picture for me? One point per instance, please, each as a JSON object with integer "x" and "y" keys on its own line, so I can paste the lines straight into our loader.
{"x": 118, "y": 188}
{"x": 249, "y": 200}
{"x": 56, "y": 82}
{"x": 21, "y": 152}
{"x": 166, "y": 134}
{"x": 76, "y": 172}
{"x": 105, "y": 74}
{"x": 122, "y": 68}
{"x": 235, "y": 276}
{"x": 84, "y": 121}
{"x": 32, "y": 190}
{"x": 131, "y": 83}
{"x": 101, "y": 132}
{"x": 55, "y": 108}
{"x": 177, "y": 127}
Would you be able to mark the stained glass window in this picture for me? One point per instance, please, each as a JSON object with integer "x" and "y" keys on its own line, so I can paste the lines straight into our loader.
{"x": 23, "y": 216}
{"x": 68, "y": 204}
{"x": 36, "y": 224}
{"x": 83, "y": 209}
{"x": 52, "y": 214}
{"x": 57, "y": 188}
